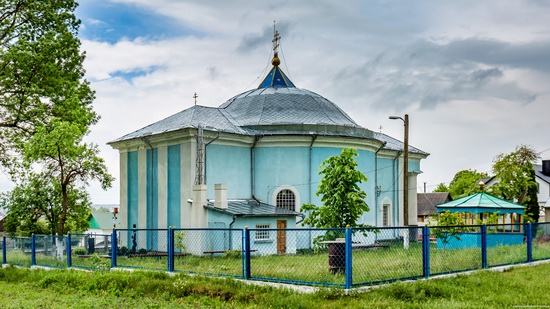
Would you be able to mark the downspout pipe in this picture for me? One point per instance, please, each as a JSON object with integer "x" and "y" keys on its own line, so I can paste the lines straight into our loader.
{"x": 205, "y": 146}
{"x": 376, "y": 192}
{"x": 310, "y": 193}
{"x": 303, "y": 217}
{"x": 230, "y": 232}
{"x": 252, "y": 168}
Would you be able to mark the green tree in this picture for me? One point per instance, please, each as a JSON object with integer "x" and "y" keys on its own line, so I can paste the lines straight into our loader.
{"x": 449, "y": 226}
{"x": 516, "y": 180}
{"x": 441, "y": 188}
{"x": 464, "y": 183}
{"x": 41, "y": 74}
{"x": 46, "y": 107}
{"x": 343, "y": 200}
{"x": 34, "y": 206}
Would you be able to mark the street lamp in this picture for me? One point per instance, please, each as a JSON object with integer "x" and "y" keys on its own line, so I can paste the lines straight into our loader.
{"x": 405, "y": 169}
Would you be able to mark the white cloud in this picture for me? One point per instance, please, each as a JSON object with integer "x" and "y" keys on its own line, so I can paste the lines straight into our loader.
{"x": 482, "y": 65}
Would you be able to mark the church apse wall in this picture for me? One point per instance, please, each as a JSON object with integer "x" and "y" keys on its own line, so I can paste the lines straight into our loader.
{"x": 231, "y": 166}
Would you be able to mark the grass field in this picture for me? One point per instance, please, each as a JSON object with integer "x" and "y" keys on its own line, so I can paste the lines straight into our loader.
{"x": 369, "y": 266}
{"x": 23, "y": 288}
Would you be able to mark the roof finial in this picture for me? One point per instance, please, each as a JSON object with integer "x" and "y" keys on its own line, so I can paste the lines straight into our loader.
{"x": 195, "y": 96}
{"x": 276, "y": 38}
{"x": 481, "y": 185}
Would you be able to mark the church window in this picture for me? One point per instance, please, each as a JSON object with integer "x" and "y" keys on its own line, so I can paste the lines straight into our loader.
{"x": 385, "y": 214}
{"x": 286, "y": 200}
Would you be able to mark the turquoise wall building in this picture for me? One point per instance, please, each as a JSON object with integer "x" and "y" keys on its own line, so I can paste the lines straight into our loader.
{"x": 264, "y": 148}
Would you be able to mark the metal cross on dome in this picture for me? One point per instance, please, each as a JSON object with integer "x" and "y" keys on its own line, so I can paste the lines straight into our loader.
{"x": 276, "y": 38}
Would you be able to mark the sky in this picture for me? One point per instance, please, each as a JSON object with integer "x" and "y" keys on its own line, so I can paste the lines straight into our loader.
{"x": 473, "y": 76}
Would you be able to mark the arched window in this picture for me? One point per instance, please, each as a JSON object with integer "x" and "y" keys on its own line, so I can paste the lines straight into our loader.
{"x": 286, "y": 200}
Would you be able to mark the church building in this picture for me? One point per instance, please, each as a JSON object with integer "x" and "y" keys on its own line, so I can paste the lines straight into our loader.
{"x": 254, "y": 160}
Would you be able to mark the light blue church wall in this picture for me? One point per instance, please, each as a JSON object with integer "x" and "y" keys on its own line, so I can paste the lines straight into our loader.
{"x": 366, "y": 164}
{"x": 231, "y": 166}
{"x": 388, "y": 182}
{"x": 132, "y": 178}
{"x": 174, "y": 186}
{"x": 277, "y": 166}
{"x": 414, "y": 165}
{"x": 152, "y": 195}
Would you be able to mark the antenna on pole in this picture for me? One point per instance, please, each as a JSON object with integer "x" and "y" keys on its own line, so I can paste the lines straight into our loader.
{"x": 199, "y": 167}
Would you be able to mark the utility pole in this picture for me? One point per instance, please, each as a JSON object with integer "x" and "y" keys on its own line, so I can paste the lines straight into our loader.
{"x": 406, "y": 172}
{"x": 405, "y": 169}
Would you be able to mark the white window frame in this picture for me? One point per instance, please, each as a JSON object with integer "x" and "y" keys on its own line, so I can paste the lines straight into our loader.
{"x": 386, "y": 201}
{"x": 297, "y": 203}
{"x": 262, "y": 235}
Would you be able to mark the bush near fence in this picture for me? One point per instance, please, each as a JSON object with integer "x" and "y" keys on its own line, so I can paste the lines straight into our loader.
{"x": 326, "y": 257}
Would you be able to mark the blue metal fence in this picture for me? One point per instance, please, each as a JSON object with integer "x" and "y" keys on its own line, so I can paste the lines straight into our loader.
{"x": 328, "y": 257}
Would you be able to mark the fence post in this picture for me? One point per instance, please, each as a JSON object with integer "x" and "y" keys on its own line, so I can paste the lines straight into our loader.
{"x": 33, "y": 251}
{"x": 4, "y": 242}
{"x": 484, "y": 263}
{"x": 69, "y": 251}
{"x": 113, "y": 248}
{"x": 246, "y": 255}
{"x": 349, "y": 264}
{"x": 529, "y": 240}
{"x": 171, "y": 249}
{"x": 426, "y": 251}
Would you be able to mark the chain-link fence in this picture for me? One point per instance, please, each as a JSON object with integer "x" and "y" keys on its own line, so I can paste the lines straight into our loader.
{"x": 506, "y": 244}
{"x": 541, "y": 241}
{"x": 298, "y": 255}
{"x": 454, "y": 249}
{"x": 50, "y": 251}
{"x": 208, "y": 251}
{"x": 17, "y": 251}
{"x": 142, "y": 248}
{"x": 327, "y": 257}
{"x": 386, "y": 254}
{"x": 90, "y": 251}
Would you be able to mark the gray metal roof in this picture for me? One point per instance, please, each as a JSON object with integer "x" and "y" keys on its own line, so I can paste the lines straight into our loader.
{"x": 270, "y": 111}
{"x": 210, "y": 117}
{"x": 251, "y": 208}
{"x": 268, "y": 106}
{"x": 394, "y": 144}
{"x": 538, "y": 172}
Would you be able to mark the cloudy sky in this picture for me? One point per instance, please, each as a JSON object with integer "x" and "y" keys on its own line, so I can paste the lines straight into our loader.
{"x": 474, "y": 76}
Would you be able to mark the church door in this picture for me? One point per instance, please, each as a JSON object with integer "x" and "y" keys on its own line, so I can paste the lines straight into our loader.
{"x": 281, "y": 237}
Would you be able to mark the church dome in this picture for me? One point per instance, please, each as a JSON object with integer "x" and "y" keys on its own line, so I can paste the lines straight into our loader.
{"x": 279, "y": 106}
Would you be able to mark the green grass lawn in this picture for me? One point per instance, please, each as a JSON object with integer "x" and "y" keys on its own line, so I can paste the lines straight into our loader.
{"x": 369, "y": 266}
{"x": 23, "y": 288}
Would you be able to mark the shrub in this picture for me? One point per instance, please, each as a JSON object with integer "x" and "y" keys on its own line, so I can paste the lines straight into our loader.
{"x": 122, "y": 250}
{"x": 142, "y": 251}
{"x": 79, "y": 251}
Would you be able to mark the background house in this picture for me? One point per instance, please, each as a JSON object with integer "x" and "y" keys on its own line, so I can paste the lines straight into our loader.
{"x": 2, "y": 217}
{"x": 542, "y": 177}
{"x": 100, "y": 222}
{"x": 427, "y": 203}
{"x": 542, "y": 172}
